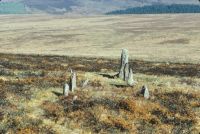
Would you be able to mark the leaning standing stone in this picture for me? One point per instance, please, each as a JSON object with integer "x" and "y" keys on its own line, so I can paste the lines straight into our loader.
{"x": 124, "y": 61}
{"x": 145, "y": 92}
{"x": 73, "y": 81}
{"x": 66, "y": 90}
{"x": 85, "y": 83}
{"x": 130, "y": 80}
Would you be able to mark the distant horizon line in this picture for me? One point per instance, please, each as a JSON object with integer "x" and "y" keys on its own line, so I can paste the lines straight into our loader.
{"x": 25, "y": 7}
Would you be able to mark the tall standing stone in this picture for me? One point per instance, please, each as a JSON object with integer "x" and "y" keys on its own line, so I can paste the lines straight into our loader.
{"x": 124, "y": 61}
{"x": 145, "y": 92}
{"x": 66, "y": 90}
{"x": 73, "y": 81}
{"x": 126, "y": 72}
{"x": 130, "y": 80}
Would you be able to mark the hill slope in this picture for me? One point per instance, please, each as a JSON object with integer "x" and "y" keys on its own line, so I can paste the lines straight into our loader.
{"x": 88, "y": 7}
{"x": 159, "y": 9}
{"x": 12, "y": 8}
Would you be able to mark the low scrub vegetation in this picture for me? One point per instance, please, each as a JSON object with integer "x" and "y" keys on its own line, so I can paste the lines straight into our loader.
{"x": 31, "y": 99}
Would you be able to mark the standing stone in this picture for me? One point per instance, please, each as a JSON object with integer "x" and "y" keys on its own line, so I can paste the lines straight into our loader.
{"x": 126, "y": 72}
{"x": 130, "y": 80}
{"x": 66, "y": 90}
{"x": 145, "y": 92}
{"x": 71, "y": 71}
{"x": 124, "y": 61}
{"x": 85, "y": 83}
{"x": 73, "y": 81}
{"x": 75, "y": 98}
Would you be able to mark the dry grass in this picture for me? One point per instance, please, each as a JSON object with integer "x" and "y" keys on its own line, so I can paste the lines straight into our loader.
{"x": 32, "y": 101}
{"x": 173, "y": 38}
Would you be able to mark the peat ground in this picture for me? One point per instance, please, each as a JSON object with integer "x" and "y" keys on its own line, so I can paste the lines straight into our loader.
{"x": 31, "y": 98}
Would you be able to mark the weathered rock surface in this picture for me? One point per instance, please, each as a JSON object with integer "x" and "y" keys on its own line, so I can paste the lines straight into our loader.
{"x": 126, "y": 72}
{"x": 130, "y": 80}
{"x": 66, "y": 90}
{"x": 124, "y": 61}
{"x": 85, "y": 83}
{"x": 145, "y": 92}
{"x": 73, "y": 81}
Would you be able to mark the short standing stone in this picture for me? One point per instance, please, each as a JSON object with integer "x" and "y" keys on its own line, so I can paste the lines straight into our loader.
{"x": 66, "y": 90}
{"x": 130, "y": 80}
{"x": 145, "y": 92}
{"x": 71, "y": 71}
{"x": 75, "y": 98}
{"x": 85, "y": 83}
{"x": 73, "y": 81}
{"x": 124, "y": 61}
{"x": 126, "y": 72}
